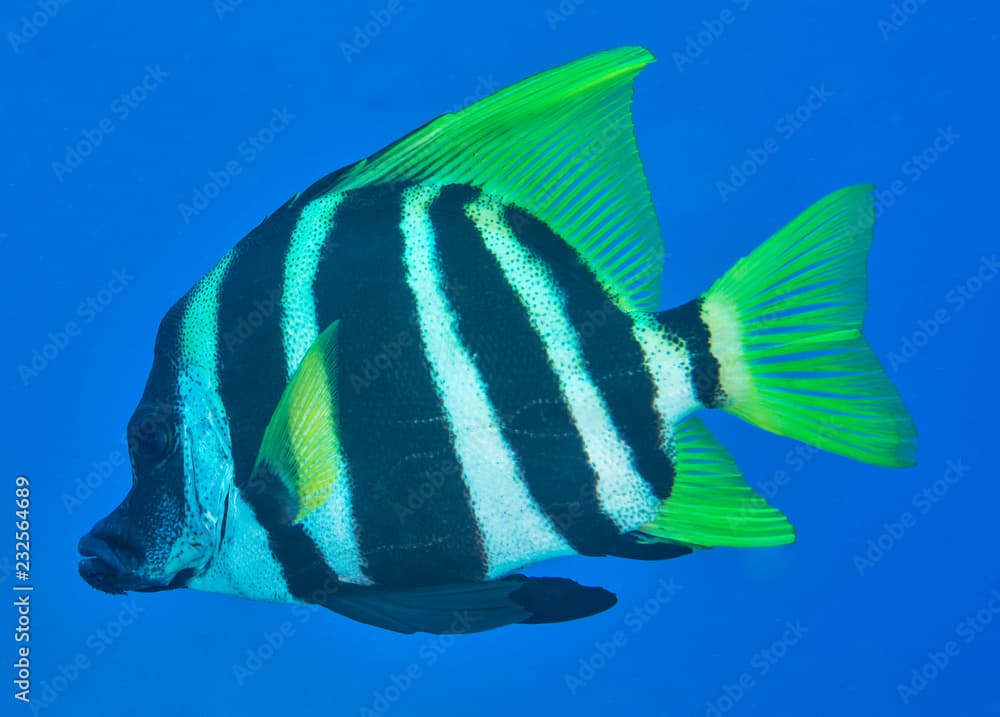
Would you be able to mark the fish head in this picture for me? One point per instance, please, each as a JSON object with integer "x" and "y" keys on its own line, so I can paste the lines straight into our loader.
{"x": 171, "y": 523}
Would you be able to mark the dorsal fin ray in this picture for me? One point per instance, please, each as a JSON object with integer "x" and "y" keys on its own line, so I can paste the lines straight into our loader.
{"x": 560, "y": 146}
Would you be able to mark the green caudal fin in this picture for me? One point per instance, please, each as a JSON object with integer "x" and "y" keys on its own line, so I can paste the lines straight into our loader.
{"x": 560, "y": 146}
{"x": 710, "y": 504}
{"x": 786, "y": 328}
{"x": 299, "y": 457}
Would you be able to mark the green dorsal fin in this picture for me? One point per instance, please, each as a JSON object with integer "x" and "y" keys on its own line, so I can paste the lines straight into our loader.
{"x": 710, "y": 504}
{"x": 560, "y": 146}
{"x": 299, "y": 457}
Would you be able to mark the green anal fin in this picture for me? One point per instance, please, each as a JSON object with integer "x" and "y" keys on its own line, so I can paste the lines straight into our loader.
{"x": 300, "y": 446}
{"x": 710, "y": 504}
{"x": 560, "y": 146}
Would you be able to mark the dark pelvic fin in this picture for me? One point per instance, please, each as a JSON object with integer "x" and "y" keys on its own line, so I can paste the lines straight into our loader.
{"x": 560, "y": 599}
{"x": 472, "y": 607}
{"x": 635, "y": 546}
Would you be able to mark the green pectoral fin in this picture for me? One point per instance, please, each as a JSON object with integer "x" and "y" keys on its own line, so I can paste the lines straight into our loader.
{"x": 299, "y": 457}
{"x": 710, "y": 504}
{"x": 560, "y": 146}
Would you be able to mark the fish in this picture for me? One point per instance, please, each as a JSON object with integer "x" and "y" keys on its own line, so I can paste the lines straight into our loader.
{"x": 447, "y": 362}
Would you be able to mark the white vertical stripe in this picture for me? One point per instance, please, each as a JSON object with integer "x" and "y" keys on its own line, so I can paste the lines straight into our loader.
{"x": 669, "y": 366}
{"x": 514, "y": 530}
{"x": 331, "y": 526}
{"x": 200, "y": 323}
{"x": 299, "y": 324}
{"x": 205, "y": 439}
{"x": 624, "y": 496}
{"x": 245, "y": 564}
{"x": 726, "y": 344}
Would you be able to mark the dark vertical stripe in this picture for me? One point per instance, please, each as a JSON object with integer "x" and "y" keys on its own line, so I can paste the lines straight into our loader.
{"x": 685, "y": 321}
{"x": 252, "y": 376}
{"x": 307, "y": 574}
{"x": 251, "y": 353}
{"x": 411, "y": 507}
{"x": 521, "y": 385}
{"x": 614, "y": 358}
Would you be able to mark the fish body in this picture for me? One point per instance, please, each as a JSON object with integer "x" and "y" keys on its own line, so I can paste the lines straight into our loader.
{"x": 446, "y": 362}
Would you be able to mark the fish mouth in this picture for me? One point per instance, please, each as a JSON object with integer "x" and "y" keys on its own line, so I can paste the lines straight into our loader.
{"x": 109, "y": 564}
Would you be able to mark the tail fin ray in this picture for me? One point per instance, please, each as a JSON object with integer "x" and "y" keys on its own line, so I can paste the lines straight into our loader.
{"x": 786, "y": 328}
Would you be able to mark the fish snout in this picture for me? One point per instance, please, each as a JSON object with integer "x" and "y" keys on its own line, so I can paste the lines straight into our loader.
{"x": 113, "y": 561}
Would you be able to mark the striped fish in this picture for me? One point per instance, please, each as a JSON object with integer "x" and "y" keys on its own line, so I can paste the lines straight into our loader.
{"x": 448, "y": 361}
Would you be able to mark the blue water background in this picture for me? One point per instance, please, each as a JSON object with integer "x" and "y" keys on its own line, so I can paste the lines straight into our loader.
{"x": 804, "y": 629}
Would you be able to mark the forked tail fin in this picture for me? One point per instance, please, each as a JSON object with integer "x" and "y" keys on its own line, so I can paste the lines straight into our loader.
{"x": 785, "y": 326}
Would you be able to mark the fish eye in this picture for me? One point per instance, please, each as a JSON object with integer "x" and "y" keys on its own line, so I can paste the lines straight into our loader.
{"x": 152, "y": 440}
